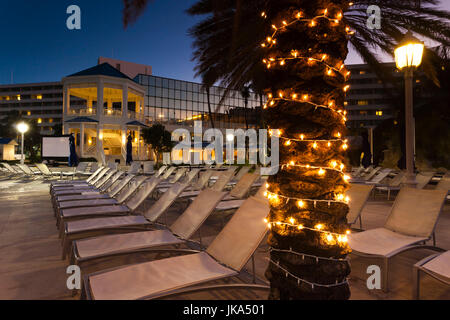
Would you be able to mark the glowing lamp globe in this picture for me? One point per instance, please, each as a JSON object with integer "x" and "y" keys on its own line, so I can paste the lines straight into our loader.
{"x": 22, "y": 127}
{"x": 409, "y": 53}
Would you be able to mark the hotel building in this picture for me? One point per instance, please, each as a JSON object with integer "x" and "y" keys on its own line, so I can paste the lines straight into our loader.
{"x": 103, "y": 104}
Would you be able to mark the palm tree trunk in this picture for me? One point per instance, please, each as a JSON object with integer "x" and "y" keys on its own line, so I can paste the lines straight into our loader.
{"x": 307, "y": 197}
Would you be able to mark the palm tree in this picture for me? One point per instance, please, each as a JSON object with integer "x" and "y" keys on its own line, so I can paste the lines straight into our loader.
{"x": 306, "y": 88}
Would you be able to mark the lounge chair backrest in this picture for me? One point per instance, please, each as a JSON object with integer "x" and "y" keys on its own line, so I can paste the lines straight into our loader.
{"x": 160, "y": 171}
{"x": 103, "y": 180}
{"x": 8, "y": 167}
{"x": 381, "y": 175}
{"x": 95, "y": 166}
{"x": 135, "y": 167}
{"x": 224, "y": 178}
{"x": 358, "y": 194}
{"x": 94, "y": 175}
{"x": 415, "y": 212}
{"x": 144, "y": 192}
{"x": 236, "y": 243}
{"x": 132, "y": 187}
{"x": 82, "y": 166}
{"x": 423, "y": 179}
{"x": 398, "y": 179}
{"x": 168, "y": 172}
{"x": 242, "y": 188}
{"x": 122, "y": 183}
{"x": 111, "y": 181}
{"x": 149, "y": 167}
{"x": 358, "y": 172}
{"x": 25, "y": 168}
{"x": 444, "y": 184}
{"x": 187, "y": 179}
{"x": 42, "y": 167}
{"x": 241, "y": 173}
{"x": 180, "y": 173}
{"x": 371, "y": 174}
{"x": 100, "y": 175}
{"x": 203, "y": 180}
{"x": 197, "y": 212}
{"x": 163, "y": 203}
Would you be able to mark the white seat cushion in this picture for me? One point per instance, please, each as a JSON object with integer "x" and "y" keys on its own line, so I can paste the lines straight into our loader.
{"x": 151, "y": 279}
{"x": 86, "y": 203}
{"x": 106, "y": 245}
{"x": 380, "y": 241}
{"x": 105, "y": 223}
{"x": 440, "y": 265}
{"x": 87, "y": 211}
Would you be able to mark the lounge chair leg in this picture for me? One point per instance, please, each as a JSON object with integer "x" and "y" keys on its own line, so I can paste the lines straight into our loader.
{"x": 416, "y": 283}
{"x": 389, "y": 194}
{"x": 434, "y": 239}
{"x": 385, "y": 274}
{"x": 360, "y": 222}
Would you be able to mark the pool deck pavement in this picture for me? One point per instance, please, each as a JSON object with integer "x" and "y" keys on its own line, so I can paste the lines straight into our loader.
{"x": 31, "y": 265}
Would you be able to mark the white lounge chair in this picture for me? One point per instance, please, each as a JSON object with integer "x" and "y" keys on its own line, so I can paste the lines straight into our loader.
{"x": 88, "y": 250}
{"x": 112, "y": 190}
{"x": 123, "y": 204}
{"x": 393, "y": 185}
{"x": 436, "y": 266}
{"x": 371, "y": 174}
{"x": 103, "y": 201}
{"x": 382, "y": 174}
{"x": 358, "y": 194}
{"x": 73, "y": 230}
{"x": 66, "y": 183}
{"x": 410, "y": 224}
{"x": 224, "y": 258}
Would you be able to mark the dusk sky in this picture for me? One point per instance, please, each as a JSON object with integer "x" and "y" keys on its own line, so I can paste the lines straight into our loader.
{"x": 37, "y": 46}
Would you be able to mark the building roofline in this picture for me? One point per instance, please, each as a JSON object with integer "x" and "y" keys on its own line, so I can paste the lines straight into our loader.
{"x": 30, "y": 84}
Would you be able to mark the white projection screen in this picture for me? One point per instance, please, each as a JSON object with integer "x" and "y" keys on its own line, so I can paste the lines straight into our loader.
{"x": 55, "y": 147}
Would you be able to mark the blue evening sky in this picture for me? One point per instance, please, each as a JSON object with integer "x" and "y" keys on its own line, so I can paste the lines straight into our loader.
{"x": 36, "y": 46}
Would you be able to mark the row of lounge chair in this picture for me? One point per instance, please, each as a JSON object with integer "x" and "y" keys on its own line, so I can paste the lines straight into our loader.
{"x": 107, "y": 216}
{"x": 385, "y": 180}
{"x": 128, "y": 234}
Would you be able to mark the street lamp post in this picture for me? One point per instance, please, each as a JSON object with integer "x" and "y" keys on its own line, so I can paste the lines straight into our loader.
{"x": 22, "y": 127}
{"x": 408, "y": 56}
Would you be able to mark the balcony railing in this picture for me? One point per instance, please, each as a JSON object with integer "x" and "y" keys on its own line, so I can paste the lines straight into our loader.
{"x": 112, "y": 113}
{"x": 87, "y": 111}
{"x": 137, "y": 116}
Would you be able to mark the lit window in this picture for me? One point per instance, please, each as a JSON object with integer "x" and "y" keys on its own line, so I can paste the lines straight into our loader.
{"x": 18, "y": 97}
{"x": 363, "y": 102}
{"x": 345, "y": 103}
{"x": 379, "y": 113}
{"x": 28, "y": 113}
{"x": 50, "y": 120}
{"x": 39, "y": 120}
{"x": 39, "y": 97}
{"x": 362, "y": 72}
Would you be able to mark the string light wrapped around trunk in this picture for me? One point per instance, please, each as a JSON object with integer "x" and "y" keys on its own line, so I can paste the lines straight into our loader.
{"x": 304, "y": 55}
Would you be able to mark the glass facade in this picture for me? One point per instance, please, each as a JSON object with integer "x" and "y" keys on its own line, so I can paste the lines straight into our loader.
{"x": 177, "y": 102}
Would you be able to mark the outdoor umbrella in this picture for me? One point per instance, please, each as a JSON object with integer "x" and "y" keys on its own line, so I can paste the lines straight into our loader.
{"x": 129, "y": 150}
{"x": 73, "y": 159}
